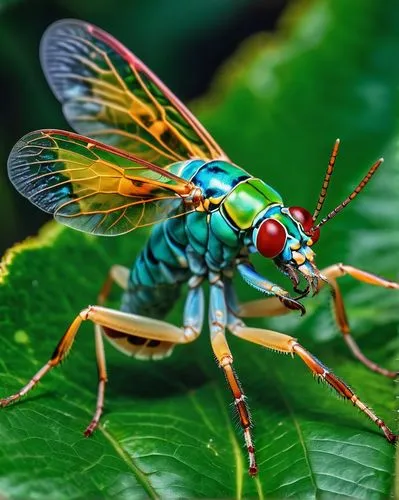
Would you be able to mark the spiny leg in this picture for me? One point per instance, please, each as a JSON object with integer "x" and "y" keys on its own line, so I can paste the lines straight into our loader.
{"x": 59, "y": 353}
{"x": 118, "y": 321}
{"x": 129, "y": 324}
{"x": 284, "y": 343}
{"x": 273, "y": 307}
{"x": 217, "y": 324}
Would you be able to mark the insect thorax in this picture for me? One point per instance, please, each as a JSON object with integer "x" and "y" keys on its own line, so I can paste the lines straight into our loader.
{"x": 202, "y": 240}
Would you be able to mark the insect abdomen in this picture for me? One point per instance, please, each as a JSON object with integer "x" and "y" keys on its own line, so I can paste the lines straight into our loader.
{"x": 159, "y": 271}
{"x": 153, "y": 288}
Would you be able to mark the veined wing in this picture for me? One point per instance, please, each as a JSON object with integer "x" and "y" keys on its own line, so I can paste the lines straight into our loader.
{"x": 109, "y": 94}
{"x": 93, "y": 187}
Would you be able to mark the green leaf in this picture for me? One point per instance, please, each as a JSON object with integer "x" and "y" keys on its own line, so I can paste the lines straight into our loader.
{"x": 168, "y": 430}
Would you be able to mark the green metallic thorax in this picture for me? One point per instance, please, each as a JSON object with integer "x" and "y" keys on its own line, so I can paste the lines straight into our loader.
{"x": 234, "y": 199}
{"x": 239, "y": 197}
{"x": 246, "y": 201}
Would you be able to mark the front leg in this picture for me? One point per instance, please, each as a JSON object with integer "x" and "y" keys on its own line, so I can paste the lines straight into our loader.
{"x": 249, "y": 274}
{"x": 273, "y": 307}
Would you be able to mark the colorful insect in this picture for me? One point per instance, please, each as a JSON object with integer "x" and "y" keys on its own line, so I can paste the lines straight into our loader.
{"x": 149, "y": 161}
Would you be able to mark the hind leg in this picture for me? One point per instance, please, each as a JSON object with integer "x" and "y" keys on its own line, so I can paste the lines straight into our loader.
{"x": 126, "y": 324}
{"x": 273, "y": 307}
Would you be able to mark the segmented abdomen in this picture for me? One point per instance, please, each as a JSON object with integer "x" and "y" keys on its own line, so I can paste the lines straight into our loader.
{"x": 159, "y": 271}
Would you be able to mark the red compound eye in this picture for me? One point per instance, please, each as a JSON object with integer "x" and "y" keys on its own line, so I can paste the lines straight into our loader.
{"x": 306, "y": 220}
{"x": 271, "y": 238}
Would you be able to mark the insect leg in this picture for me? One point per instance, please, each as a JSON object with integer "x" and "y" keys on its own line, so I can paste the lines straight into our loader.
{"x": 194, "y": 309}
{"x": 261, "y": 308}
{"x": 273, "y": 307}
{"x": 193, "y": 317}
{"x": 59, "y": 354}
{"x": 254, "y": 279}
{"x": 284, "y": 343}
{"x": 217, "y": 325}
{"x": 120, "y": 276}
{"x": 336, "y": 271}
{"x": 123, "y": 323}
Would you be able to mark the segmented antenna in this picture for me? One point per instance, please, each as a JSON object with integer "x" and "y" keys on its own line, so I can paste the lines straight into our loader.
{"x": 353, "y": 195}
{"x": 326, "y": 182}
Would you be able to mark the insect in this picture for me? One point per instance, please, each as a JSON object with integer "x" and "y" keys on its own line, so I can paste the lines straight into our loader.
{"x": 143, "y": 159}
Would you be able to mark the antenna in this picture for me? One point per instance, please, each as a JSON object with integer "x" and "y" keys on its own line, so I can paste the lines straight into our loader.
{"x": 353, "y": 195}
{"x": 326, "y": 182}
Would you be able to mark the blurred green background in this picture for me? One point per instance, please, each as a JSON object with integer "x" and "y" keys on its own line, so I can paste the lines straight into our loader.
{"x": 182, "y": 42}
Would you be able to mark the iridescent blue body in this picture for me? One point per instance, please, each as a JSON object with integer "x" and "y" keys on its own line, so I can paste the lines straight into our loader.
{"x": 201, "y": 241}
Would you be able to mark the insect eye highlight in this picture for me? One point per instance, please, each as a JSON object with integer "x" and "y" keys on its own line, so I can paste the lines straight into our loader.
{"x": 306, "y": 220}
{"x": 271, "y": 238}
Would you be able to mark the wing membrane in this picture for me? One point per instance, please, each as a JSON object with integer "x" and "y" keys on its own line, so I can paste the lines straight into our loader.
{"x": 109, "y": 94}
{"x": 93, "y": 187}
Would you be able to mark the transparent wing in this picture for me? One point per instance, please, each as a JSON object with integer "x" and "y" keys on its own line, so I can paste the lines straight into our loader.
{"x": 109, "y": 94}
{"x": 93, "y": 187}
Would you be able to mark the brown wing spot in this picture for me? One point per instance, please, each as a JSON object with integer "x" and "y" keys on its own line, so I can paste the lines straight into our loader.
{"x": 169, "y": 138}
{"x": 146, "y": 120}
{"x": 153, "y": 343}
{"x": 128, "y": 187}
{"x": 132, "y": 339}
